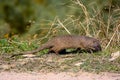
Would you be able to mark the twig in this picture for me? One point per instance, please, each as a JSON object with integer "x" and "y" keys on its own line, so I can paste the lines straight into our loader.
{"x": 110, "y": 40}
{"x": 63, "y": 26}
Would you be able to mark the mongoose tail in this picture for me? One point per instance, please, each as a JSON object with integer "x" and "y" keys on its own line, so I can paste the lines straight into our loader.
{"x": 44, "y": 46}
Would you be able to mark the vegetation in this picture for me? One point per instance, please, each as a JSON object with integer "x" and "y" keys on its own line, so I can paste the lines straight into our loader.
{"x": 24, "y": 25}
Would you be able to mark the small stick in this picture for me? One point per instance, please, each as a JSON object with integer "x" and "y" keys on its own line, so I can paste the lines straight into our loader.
{"x": 110, "y": 40}
{"x": 63, "y": 26}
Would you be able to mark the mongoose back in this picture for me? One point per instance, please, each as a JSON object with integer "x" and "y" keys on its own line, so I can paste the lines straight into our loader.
{"x": 60, "y": 43}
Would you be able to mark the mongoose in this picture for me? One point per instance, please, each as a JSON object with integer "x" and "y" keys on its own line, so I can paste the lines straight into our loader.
{"x": 60, "y": 43}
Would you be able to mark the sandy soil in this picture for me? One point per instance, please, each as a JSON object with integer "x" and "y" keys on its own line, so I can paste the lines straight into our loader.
{"x": 49, "y": 67}
{"x": 58, "y": 76}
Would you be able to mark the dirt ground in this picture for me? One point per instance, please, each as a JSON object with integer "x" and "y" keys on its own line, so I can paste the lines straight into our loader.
{"x": 58, "y": 76}
{"x": 49, "y": 67}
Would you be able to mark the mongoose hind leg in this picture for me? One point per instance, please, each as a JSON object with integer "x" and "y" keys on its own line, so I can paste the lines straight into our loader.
{"x": 57, "y": 50}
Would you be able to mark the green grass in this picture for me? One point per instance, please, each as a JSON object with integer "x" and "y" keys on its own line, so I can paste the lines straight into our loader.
{"x": 97, "y": 62}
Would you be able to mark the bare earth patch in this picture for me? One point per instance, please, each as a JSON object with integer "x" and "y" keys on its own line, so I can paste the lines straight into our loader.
{"x": 56, "y": 67}
{"x": 58, "y": 76}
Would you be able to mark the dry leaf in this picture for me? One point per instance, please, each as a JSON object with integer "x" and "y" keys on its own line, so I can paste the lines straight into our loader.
{"x": 114, "y": 56}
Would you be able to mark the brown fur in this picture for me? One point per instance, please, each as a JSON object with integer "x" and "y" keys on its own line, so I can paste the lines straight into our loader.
{"x": 60, "y": 43}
